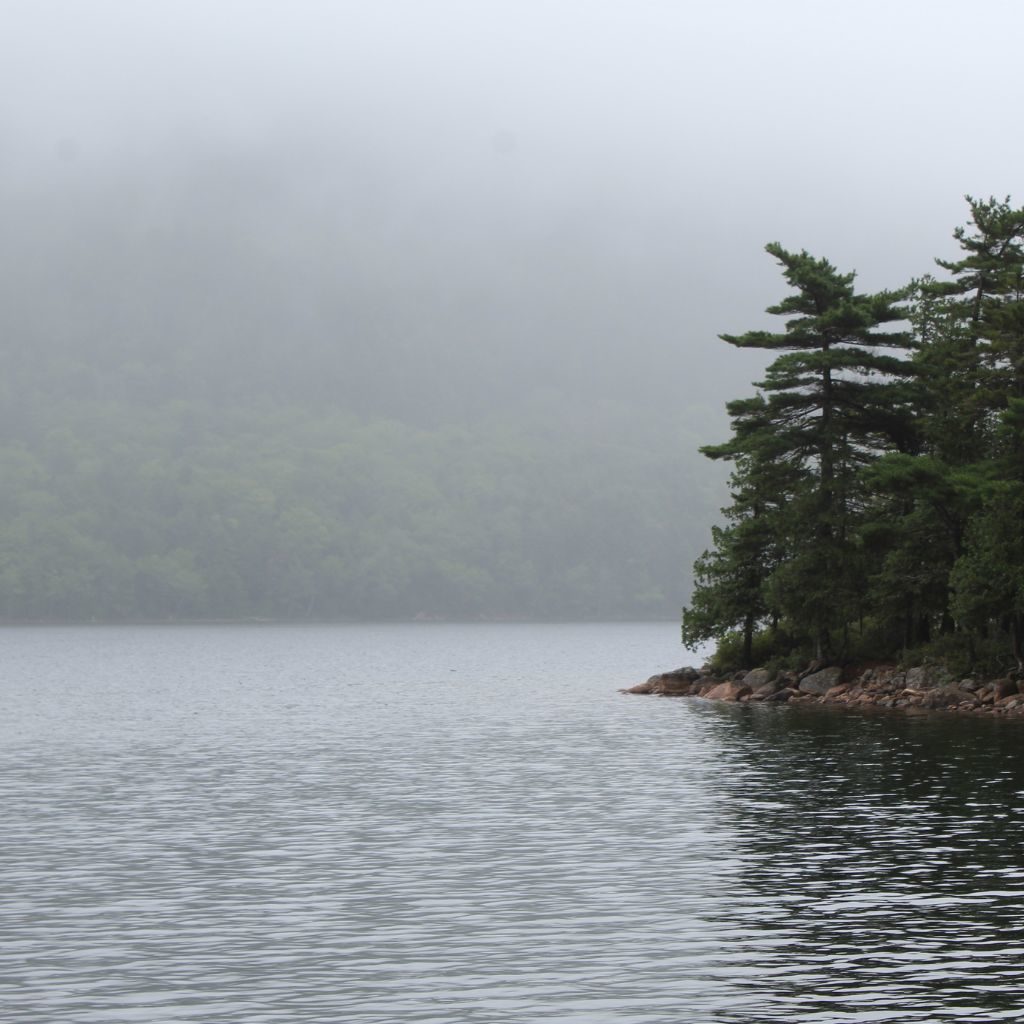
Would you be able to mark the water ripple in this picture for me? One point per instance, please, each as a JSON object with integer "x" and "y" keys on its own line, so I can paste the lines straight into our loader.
{"x": 294, "y": 826}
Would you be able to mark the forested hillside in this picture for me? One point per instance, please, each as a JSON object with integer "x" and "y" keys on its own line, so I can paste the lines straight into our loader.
{"x": 229, "y": 397}
{"x": 878, "y": 484}
{"x": 183, "y": 512}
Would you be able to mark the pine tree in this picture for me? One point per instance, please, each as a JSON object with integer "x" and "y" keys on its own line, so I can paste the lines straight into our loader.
{"x": 972, "y": 345}
{"x": 971, "y": 366}
{"x": 830, "y": 403}
{"x": 730, "y": 579}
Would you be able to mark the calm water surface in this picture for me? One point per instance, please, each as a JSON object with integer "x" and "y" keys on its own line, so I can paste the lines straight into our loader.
{"x": 468, "y": 824}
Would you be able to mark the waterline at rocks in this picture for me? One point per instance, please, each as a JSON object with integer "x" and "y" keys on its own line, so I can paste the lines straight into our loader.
{"x": 925, "y": 688}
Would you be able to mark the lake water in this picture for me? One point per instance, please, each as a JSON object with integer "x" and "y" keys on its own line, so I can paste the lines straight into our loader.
{"x": 441, "y": 823}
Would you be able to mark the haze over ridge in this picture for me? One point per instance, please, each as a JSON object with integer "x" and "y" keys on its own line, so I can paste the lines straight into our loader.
{"x": 454, "y": 214}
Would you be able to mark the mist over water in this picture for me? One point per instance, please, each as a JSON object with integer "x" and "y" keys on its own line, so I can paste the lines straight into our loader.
{"x": 441, "y": 823}
{"x": 339, "y": 311}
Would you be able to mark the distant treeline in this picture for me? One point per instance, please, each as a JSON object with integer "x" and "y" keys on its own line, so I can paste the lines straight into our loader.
{"x": 132, "y": 505}
{"x": 878, "y": 484}
{"x": 236, "y": 391}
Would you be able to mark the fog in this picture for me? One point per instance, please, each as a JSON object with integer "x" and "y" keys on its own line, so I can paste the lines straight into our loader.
{"x": 440, "y": 213}
{"x": 609, "y": 161}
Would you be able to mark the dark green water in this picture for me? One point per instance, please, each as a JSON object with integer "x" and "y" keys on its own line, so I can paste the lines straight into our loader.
{"x": 468, "y": 824}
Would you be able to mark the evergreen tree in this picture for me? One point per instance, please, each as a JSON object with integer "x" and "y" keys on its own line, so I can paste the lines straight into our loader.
{"x": 915, "y": 528}
{"x": 972, "y": 332}
{"x": 879, "y": 475}
{"x": 991, "y": 266}
{"x": 831, "y": 403}
{"x": 730, "y": 580}
{"x": 988, "y": 579}
{"x": 971, "y": 365}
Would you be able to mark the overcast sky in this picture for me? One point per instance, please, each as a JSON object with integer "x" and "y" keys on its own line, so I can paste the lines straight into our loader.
{"x": 677, "y": 137}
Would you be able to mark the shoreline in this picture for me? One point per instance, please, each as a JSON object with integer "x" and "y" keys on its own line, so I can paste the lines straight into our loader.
{"x": 918, "y": 690}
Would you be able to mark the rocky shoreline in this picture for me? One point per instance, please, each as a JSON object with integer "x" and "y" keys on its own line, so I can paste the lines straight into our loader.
{"x": 915, "y": 690}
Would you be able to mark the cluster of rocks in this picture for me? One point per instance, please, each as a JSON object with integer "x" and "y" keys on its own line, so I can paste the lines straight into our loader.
{"x": 883, "y": 686}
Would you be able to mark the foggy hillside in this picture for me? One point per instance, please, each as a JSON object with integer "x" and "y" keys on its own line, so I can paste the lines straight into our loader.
{"x": 242, "y": 275}
{"x": 246, "y": 397}
{"x": 352, "y": 310}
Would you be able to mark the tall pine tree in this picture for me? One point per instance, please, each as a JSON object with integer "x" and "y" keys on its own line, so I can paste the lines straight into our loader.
{"x": 831, "y": 403}
{"x": 984, "y": 305}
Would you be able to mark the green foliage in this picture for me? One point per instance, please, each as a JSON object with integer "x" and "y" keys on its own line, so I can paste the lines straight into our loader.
{"x": 186, "y": 511}
{"x": 987, "y": 580}
{"x": 828, "y": 406}
{"x": 900, "y": 524}
{"x": 963, "y": 653}
{"x": 231, "y": 398}
{"x": 773, "y": 648}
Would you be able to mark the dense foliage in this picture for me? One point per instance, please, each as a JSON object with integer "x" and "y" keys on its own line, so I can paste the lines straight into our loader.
{"x": 185, "y": 511}
{"x": 249, "y": 387}
{"x": 128, "y": 496}
{"x": 878, "y": 484}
